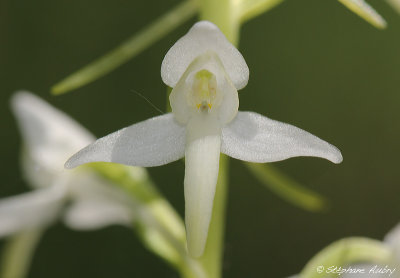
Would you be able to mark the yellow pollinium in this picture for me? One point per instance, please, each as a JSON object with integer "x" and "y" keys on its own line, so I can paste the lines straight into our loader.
{"x": 204, "y": 90}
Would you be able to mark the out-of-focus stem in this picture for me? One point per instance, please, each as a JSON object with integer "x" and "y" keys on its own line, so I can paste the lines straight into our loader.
{"x": 18, "y": 252}
{"x": 213, "y": 254}
{"x": 249, "y": 9}
{"x": 223, "y": 14}
{"x": 365, "y": 11}
{"x": 128, "y": 49}
{"x": 286, "y": 188}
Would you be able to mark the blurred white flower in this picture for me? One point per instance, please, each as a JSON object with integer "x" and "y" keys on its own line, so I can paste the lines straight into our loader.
{"x": 205, "y": 71}
{"x": 373, "y": 270}
{"x": 49, "y": 138}
{"x": 364, "y": 269}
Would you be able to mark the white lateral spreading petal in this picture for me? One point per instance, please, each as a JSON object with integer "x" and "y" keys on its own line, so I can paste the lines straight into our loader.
{"x": 32, "y": 209}
{"x": 255, "y": 138}
{"x": 156, "y": 141}
{"x": 202, "y": 37}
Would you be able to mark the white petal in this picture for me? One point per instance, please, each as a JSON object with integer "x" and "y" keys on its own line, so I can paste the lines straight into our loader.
{"x": 201, "y": 174}
{"x": 97, "y": 203}
{"x": 50, "y": 136}
{"x": 29, "y": 210}
{"x": 229, "y": 104}
{"x": 253, "y": 137}
{"x": 96, "y": 214}
{"x": 153, "y": 142}
{"x": 393, "y": 240}
{"x": 202, "y": 37}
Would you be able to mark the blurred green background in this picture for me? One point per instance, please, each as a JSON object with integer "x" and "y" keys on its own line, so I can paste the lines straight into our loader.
{"x": 312, "y": 63}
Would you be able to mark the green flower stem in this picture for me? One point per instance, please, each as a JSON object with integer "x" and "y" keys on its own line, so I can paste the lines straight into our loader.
{"x": 249, "y": 9}
{"x": 18, "y": 252}
{"x": 222, "y": 13}
{"x": 162, "y": 242}
{"x": 346, "y": 252}
{"x": 213, "y": 254}
{"x": 128, "y": 49}
{"x": 286, "y": 188}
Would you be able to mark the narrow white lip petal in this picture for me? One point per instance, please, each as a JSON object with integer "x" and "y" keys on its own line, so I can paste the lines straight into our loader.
{"x": 33, "y": 209}
{"x": 96, "y": 214}
{"x": 50, "y": 136}
{"x": 201, "y": 173}
{"x": 156, "y": 141}
{"x": 255, "y": 138}
{"x": 202, "y": 37}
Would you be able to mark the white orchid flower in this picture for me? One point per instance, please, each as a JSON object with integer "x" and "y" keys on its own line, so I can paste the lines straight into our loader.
{"x": 205, "y": 71}
{"x": 392, "y": 241}
{"x": 49, "y": 138}
{"x": 370, "y": 269}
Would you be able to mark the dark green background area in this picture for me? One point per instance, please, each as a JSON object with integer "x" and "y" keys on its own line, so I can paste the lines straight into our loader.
{"x": 312, "y": 63}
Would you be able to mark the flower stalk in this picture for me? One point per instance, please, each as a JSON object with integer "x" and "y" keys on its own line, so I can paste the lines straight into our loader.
{"x": 17, "y": 256}
{"x": 287, "y": 188}
{"x": 128, "y": 49}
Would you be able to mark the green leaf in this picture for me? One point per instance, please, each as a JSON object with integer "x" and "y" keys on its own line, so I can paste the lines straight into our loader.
{"x": 128, "y": 49}
{"x": 287, "y": 188}
{"x": 364, "y": 10}
{"x": 248, "y": 9}
{"x": 346, "y": 252}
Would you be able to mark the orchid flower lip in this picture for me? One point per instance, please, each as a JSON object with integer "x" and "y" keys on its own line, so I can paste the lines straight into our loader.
{"x": 205, "y": 71}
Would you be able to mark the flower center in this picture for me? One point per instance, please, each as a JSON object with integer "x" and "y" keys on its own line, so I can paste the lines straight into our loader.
{"x": 204, "y": 91}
